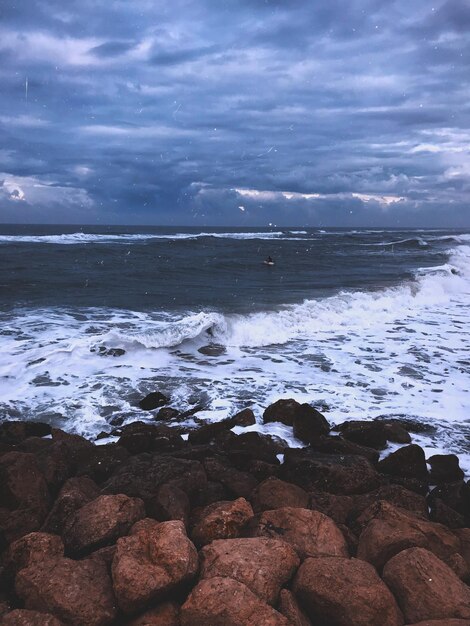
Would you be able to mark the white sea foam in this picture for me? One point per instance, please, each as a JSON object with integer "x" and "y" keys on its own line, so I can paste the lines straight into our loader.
{"x": 401, "y": 351}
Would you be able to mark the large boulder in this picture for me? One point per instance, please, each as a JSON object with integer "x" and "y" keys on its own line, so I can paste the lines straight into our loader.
{"x": 406, "y": 462}
{"x": 339, "y": 445}
{"x": 335, "y": 473}
{"x": 169, "y": 503}
{"x": 32, "y": 548}
{"x": 282, "y": 411}
{"x": 221, "y": 520}
{"x": 425, "y": 587}
{"x": 211, "y": 430}
{"x": 289, "y": 607}
{"x": 153, "y": 400}
{"x": 264, "y": 565}
{"x": 310, "y": 533}
{"x": 370, "y": 434}
{"x": 23, "y": 617}
{"x": 221, "y": 601}
{"x": 345, "y": 592}
{"x": 14, "y": 432}
{"x": 142, "y": 475}
{"x": 273, "y": 493}
{"x": 75, "y": 493}
{"x": 239, "y": 484}
{"x": 101, "y": 521}
{"x": 445, "y": 468}
{"x": 309, "y": 424}
{"x": 76, "y": 592}
{"x": 391, "y": 530}
{"x": 152, "y": 562}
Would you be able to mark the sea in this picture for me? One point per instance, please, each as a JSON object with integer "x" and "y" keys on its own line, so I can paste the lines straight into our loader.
{"x": 360, "y": 323}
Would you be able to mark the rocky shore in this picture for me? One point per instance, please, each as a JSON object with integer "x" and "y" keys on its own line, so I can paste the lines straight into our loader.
{"x": 174, "y": 527}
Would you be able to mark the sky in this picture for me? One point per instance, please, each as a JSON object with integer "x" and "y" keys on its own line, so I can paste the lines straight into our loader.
{"x": 240, "y": 112}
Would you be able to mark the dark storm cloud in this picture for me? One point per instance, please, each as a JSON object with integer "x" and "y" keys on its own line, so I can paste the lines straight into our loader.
{"x": 235, "y": 112}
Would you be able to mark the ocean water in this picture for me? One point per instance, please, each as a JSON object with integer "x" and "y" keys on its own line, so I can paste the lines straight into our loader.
{"x": 359, "y": 323}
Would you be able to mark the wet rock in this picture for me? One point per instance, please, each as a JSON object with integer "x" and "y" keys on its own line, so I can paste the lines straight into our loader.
{"x": 140, "y": 437}
{"x": 32, "y": 548}
{"x": 142, "y": 475}
{"x": 166, "y": 414}
{"x": 24, "y": 496}
{"x": 425, "y": 587}
{"x": 264, "y": 565}
{"x": 309, "y": 424}
{"x": 14, "y": 432}
{"x": 345, "y": 592}
{"x": 75, "y": 493}
{"x": 213, "y": 349}
{"x": 282, "y": 411}
{"x": 289, "y": 607}
{"x": 456, "y": 496}
{"x": 341, "y": 474}
{"x": 151, "y": 563}
{"x": 100, "y": 522}
{"x": 222, "y": 601}
{"x": 23, "y": 617}
{"x": 169, "y": 503}
{"x": 221, "y": 520}
{"x": 441, "y": 513}
{"x": 310, "y": 533}
{"x": 254, "y": 446}
{"x": 391, "y": 530}
{"x": 406, "y": 462}
{"x": 166, "y": 614}
{"x": 243, "y": 418}
{"x": 396, "y": 433}
{"x": 338, "y": 445}
{"x": 76, "y": 592}
{"x": 273, "y": 493}
{"x": 369, "y": 434}
{"x": 240, "y": 484}
{"x": 445, "y": 468}
{"x": 100, "y": 462}
{"x": 153, "y": 400}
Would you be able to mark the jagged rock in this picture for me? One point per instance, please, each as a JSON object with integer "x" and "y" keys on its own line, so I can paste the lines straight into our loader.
{"x": 425, "y": 587}
{"x": 153, "y": 400}
{"x": 289, "y": 607}
{"x": 76, "y": 592}
{"x": 166, "y": 614}
{"x": 23, "y": 617}
{"x": 342, "y": 474}
{"x": 345, "y": 592}
{"x": 151, "y": 563}
{"x": 406, "y": 462}
{"x": 264, "y": 565}
{"x": 32, "y": 548}
{"x": 221, "y": 520}
{"x": 101, "y": 521}
{"x": 221, "y": 601}
{"x": 445, "y": 468}
{"x": 391, "y": 530}
{"x": 75, "y": 493}
{"x": 310, "y": 533}
{"x": 273, "y": 493}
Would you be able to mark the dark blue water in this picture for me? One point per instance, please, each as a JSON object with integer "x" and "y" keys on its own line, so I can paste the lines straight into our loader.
{"x": 180, "y": 269}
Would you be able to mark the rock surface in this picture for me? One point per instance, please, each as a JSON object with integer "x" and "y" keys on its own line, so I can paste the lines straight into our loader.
{"x": 166, "y": 614}
{"x": 222, "y": 601}
{"x": 345, "y": 592}
{"x": 23, "y": 617}
{"x": 151, "y": 563}
{"x": 273, "y": 493}
{"x": 221, "y": 520}
{"x": 425, "y": 587}
{"x": 263, "y": 565}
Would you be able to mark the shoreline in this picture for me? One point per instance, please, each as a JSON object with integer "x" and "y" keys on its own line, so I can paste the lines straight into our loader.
{"x": 158, "y": 528}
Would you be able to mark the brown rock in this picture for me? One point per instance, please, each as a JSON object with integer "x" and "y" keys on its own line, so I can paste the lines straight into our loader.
{"x": 309, "y": 424}
{"x": 396, "y": 433}
{"x": 23, "y": 617}
{"x": 345, "y": 592}
{"x": 169, "y": 503}
{"x": 391, "y": 530}
{"x": 444, "y": 622}
{"x": 101, "y": 522}
{"x": 425, "y": 587}
{"x": 310, "y": 533}
{"x": 14, "y": 432}
{"x": 33, "y": 548}
{"x": 166, "y": 614}
{"x": 406, "y": 462}
{"x": 364, "y": 433}
{"x": 240, "y": 484}
{"x": 151, "y": 563}
{"x": 273, "y": 493}
{"x": 463, "y": 534}
{"x": 264, "y": 565}
{"x": 443, "y": 514}
{"x": 147, "y": 524}
{"x": 226, "y": 602}
{"x": 76, "y": 592}
{"x": 289, "y": 607}
{"x": 339, "y": 445}
{"x": 75, "y": 493}
{"x": 221, "y": 520}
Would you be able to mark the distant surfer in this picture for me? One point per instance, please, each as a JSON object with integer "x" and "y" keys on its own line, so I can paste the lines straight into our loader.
{"x": 269, "y": 261}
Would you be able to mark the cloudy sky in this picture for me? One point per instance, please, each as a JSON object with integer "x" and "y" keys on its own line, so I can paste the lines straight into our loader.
{"x": 235, "y": 112}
